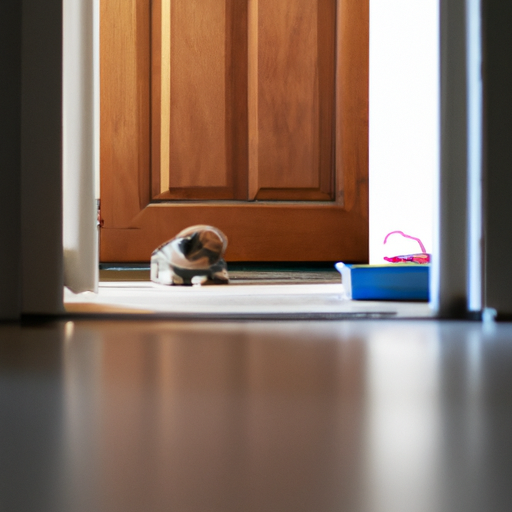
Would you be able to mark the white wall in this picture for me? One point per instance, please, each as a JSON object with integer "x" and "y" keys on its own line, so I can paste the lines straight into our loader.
{"x": 404, "y": 126}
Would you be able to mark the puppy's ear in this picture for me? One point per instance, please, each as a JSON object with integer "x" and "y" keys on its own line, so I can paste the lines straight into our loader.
{"x": 211, "y": 241}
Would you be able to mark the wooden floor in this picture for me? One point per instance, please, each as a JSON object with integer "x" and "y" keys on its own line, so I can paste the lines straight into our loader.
{"x": 366, "y": 416}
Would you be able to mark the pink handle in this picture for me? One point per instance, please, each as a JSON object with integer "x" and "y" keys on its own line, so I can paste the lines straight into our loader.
{"x": 406, "y": 236}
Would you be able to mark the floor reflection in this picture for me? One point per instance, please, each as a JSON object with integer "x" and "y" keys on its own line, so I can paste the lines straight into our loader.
{"x": 403, "y": 428}
{"x": 207, "y": 417}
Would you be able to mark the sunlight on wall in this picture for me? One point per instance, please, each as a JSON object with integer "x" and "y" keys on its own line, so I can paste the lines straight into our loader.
{"x": 404, "y": 112}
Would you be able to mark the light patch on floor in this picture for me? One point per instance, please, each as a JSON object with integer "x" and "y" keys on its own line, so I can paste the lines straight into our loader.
{"x": 238, "y": 300}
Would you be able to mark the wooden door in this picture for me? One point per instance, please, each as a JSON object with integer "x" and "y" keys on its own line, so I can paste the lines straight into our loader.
{"x": 249, "y": 115}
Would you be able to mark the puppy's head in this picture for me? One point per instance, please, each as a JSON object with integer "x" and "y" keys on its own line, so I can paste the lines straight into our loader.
{"x": 202, "y": 245}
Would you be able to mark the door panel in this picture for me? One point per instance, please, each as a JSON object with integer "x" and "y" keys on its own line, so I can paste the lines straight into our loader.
{"x": 291, "y": 99}
{"x": 202, "y": 100}
{"x": 198, "y": 95}
{"x": 251, "y": 116}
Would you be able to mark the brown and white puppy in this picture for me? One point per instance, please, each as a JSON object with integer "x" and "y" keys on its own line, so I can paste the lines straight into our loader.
{"x": 196, "y": 253}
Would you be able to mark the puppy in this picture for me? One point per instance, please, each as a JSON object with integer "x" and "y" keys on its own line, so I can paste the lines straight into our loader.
{"x": 196, "y": 253}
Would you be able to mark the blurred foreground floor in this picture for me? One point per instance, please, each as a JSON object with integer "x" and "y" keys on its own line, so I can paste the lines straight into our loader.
{"x": 369, "y": 416}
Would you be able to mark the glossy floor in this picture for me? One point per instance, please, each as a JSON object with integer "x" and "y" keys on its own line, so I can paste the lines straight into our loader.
{"x": 369, "y": 416}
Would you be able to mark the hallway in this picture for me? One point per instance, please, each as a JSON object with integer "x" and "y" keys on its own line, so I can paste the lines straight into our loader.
{"x": 360, "y": 415}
